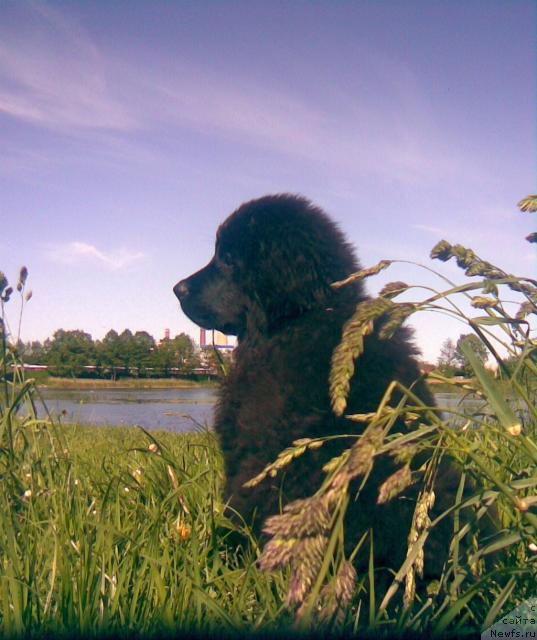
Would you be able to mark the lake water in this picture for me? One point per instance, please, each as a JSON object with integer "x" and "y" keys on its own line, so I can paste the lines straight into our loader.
{"x": 165, "y": 409}
{"x": 176, "y": 410}
{"x": 453, "y": 404}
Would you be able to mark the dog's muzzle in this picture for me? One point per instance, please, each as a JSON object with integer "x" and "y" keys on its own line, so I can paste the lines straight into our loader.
{"x": 181, "y": 290}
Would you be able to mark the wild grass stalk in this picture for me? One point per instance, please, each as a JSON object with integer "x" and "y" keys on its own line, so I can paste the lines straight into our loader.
{"x": 497, "y": 453}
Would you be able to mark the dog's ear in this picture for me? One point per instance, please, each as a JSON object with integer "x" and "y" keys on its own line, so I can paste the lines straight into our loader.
{"x": 291, "y": 279}
{"x": 295, "y": 263}
{"x": 284, "y": 254}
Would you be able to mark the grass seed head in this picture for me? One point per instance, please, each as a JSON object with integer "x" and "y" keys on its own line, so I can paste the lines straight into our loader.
{"x": 172, "y": 476}
{"x": 528, "y": 204}
{"x": 525, "y": 309}
{"x": 410, "y": 588}
{"x": 306, "y": 563}
{"x": 393, "y": 289}
{"x": 361, "y": 459}
{"x": 395, "y": 319}
{"x": 362, "y": 453}
{"x": 395, "y": 484}
{"x": 482, "y": 302}
{"x": 351, "y": 347}
{"x": 465, "y": 257}
{"x": 522, "y": 287}
{"x": 305, "y": 517}
{"x": 22, "y": 278}
{"x": 336, "y": 595}
{"x": 277, "y": 553}
{"x": 441, "y": 251}
{"x": 362, "y": 274}
{"x": 490, "y": 287}
{"x": 3, "y": 282}
{"x": 485, "y": 269}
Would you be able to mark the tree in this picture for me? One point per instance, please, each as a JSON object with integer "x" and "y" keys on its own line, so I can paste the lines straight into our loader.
{"x": 477, "y": 347}
{"x": 179, "y": 353}
{"x": 447, "y": 360}
{"x": 33, "y": 352}
{"x": 69, "y": 352}
{"x": 126, "y": 352}
{"x": 164, "y": 357}
{"x": 109, "y": 352}
{"x": 142, "y": 350}
{"x": 126, "y": 346}
{"x": 218, "y": 360}
{"x": 185, "y": 353}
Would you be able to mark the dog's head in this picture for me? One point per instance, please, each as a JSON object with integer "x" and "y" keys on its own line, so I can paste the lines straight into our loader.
{"x": 275, "y": 259}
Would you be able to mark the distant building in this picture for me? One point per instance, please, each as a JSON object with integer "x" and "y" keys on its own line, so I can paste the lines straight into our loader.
{"x": 219, "y": 339}
{"x": 166, "y": 334}
{"x": 213, "y": 338}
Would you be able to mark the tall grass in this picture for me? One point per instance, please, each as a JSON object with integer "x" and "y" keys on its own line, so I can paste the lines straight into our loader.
{"x": 491, "y": 567}
{"x": 105, "y": 529}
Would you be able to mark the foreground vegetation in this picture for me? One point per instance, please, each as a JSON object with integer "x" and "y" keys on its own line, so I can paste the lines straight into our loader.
{"x": 486, "y": 572}
{"x": 118, "y": 530}
{"x": 114, "y": 529}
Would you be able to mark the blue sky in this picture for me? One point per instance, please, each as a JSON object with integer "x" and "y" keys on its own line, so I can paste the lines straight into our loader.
{"x": 130, "y": 130}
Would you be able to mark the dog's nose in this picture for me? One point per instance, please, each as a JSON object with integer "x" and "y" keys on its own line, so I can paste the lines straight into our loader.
{"x": 181, "y": 289}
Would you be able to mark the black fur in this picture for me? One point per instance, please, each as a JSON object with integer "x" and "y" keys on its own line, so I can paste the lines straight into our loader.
{"x": 269, "y": 284}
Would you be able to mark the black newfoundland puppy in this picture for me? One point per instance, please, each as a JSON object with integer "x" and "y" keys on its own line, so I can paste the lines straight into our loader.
{"x": 269, "y": 283}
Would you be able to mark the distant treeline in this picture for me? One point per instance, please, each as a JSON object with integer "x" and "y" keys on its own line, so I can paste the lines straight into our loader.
{"x": 76, "y": 354}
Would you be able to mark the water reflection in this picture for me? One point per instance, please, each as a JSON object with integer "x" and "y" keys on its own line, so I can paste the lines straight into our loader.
{"x": 168, "y": 409}
{"x": 183, "y": 410}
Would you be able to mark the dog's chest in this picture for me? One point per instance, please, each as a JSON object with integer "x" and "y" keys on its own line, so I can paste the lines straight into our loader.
{"x": 274, "y": 393}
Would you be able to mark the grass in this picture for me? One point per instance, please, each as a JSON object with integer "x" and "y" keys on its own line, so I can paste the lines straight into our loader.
{"x": 112, "y": 530}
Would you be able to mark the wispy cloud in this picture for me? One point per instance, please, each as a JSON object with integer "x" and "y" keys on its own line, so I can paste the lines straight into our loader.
{"x": 83, "y": 253}
{"x": 52, "y": 74}
{"x": 399, "y": 139}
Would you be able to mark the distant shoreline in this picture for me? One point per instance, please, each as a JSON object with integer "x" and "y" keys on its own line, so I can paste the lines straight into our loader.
{"x": 169, "y": 383}
{"x": 123, "y": 383}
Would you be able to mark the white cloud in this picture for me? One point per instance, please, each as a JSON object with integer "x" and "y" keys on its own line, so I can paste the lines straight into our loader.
{"x": 81, "y": 252}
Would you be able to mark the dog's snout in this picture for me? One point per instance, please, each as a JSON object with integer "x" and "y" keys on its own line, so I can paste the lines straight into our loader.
{"x": 181, "y": 289}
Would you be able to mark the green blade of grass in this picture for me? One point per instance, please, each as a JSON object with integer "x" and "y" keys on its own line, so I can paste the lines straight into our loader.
{"x": 493, "y": 393}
